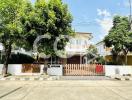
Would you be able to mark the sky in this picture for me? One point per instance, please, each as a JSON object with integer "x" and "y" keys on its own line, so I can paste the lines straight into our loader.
{"x": 95, "y": 16}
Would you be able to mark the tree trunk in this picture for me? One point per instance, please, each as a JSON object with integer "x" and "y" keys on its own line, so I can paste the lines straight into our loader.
{"x": 115, "y": 59}
{"x": 7, "y": 56}
{"x": 125, "y": 54}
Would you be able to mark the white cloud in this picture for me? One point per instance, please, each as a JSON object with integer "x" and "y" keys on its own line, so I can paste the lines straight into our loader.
{"x": 105, "y": 22}
{"x": 105, "y": 25}
{"x": 103, "y": 12}
{"x": 118, "y": 4}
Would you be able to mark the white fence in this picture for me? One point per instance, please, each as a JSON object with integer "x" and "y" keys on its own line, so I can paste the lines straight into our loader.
{"x": 117, "y": 70}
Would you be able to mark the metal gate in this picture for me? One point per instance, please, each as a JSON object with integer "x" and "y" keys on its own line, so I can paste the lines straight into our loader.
{"x": 31, "y": 68}
{"x": 83, "y": 70}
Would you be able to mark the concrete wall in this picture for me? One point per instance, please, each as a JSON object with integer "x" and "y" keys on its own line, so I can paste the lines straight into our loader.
{"x": 1, "y": 66}
{"x": 115, "y": 69}
{"x": 16, "y": 69}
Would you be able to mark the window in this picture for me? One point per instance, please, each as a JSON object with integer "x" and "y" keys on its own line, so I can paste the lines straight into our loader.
{"x": 85, "y": 42}
{"x": 78, "y": 42}
{"x": 72, "y": 42}
{"x": 54, "y": 60}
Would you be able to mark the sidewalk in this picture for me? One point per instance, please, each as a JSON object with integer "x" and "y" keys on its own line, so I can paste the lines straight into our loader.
{"x": 61, "y": 78}
{"x": 46, "y": 77}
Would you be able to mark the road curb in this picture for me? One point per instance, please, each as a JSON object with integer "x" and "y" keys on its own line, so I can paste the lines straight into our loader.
{"x": 23, "y": 79}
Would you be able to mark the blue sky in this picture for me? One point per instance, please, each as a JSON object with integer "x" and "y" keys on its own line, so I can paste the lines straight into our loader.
{"x": 95, "y": 16}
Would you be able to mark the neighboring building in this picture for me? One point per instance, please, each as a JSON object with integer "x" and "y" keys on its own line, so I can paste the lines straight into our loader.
{"x": 101, "y": 48}
{"x": 106, "y": 53}
{"x": 129, "y": 58}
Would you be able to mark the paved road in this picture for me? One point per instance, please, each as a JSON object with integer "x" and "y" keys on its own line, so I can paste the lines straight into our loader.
{"x": 66, "y": 90}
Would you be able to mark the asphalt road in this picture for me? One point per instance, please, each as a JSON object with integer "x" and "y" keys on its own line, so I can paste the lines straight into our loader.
{"x": 66, "y": 90}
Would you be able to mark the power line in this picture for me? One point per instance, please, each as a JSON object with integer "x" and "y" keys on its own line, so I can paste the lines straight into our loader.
{"x": 90, "y": 23}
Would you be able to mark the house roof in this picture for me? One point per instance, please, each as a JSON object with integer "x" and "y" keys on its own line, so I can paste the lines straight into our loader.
{"x": 83, "y": 35}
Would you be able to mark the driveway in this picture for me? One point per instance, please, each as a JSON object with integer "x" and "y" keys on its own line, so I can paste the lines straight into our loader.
{"x": 66, "y": 90}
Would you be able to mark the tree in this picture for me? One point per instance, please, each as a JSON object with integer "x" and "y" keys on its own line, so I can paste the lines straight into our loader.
{"x": 119, "y": 38}
{"x": 21, "y": 25}
{"x": 92, "y": 53}
{"x": 11, "y": 28}
{"x": 49, "y": 17}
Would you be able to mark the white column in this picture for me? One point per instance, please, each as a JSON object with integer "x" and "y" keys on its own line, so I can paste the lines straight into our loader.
{"x": 41, "y": 69}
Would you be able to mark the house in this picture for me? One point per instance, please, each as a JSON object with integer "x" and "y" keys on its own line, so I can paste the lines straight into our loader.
{"x": 76, "y": 48}
{"x": 106, "y": 53}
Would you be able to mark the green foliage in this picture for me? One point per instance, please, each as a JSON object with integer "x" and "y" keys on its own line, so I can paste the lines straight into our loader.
{"x": 119, "y": 37}
{"x": 100, "y": 60}
{"x": 48, "y": 17}
{"x": 20, "y": 25}
{"x": 92, "y": 52}
{"x": 92, "y": 49}
{"x": 11, "y": 28}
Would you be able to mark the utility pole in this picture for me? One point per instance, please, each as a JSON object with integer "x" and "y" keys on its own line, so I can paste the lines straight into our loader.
{"x": 130, "y": 17}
